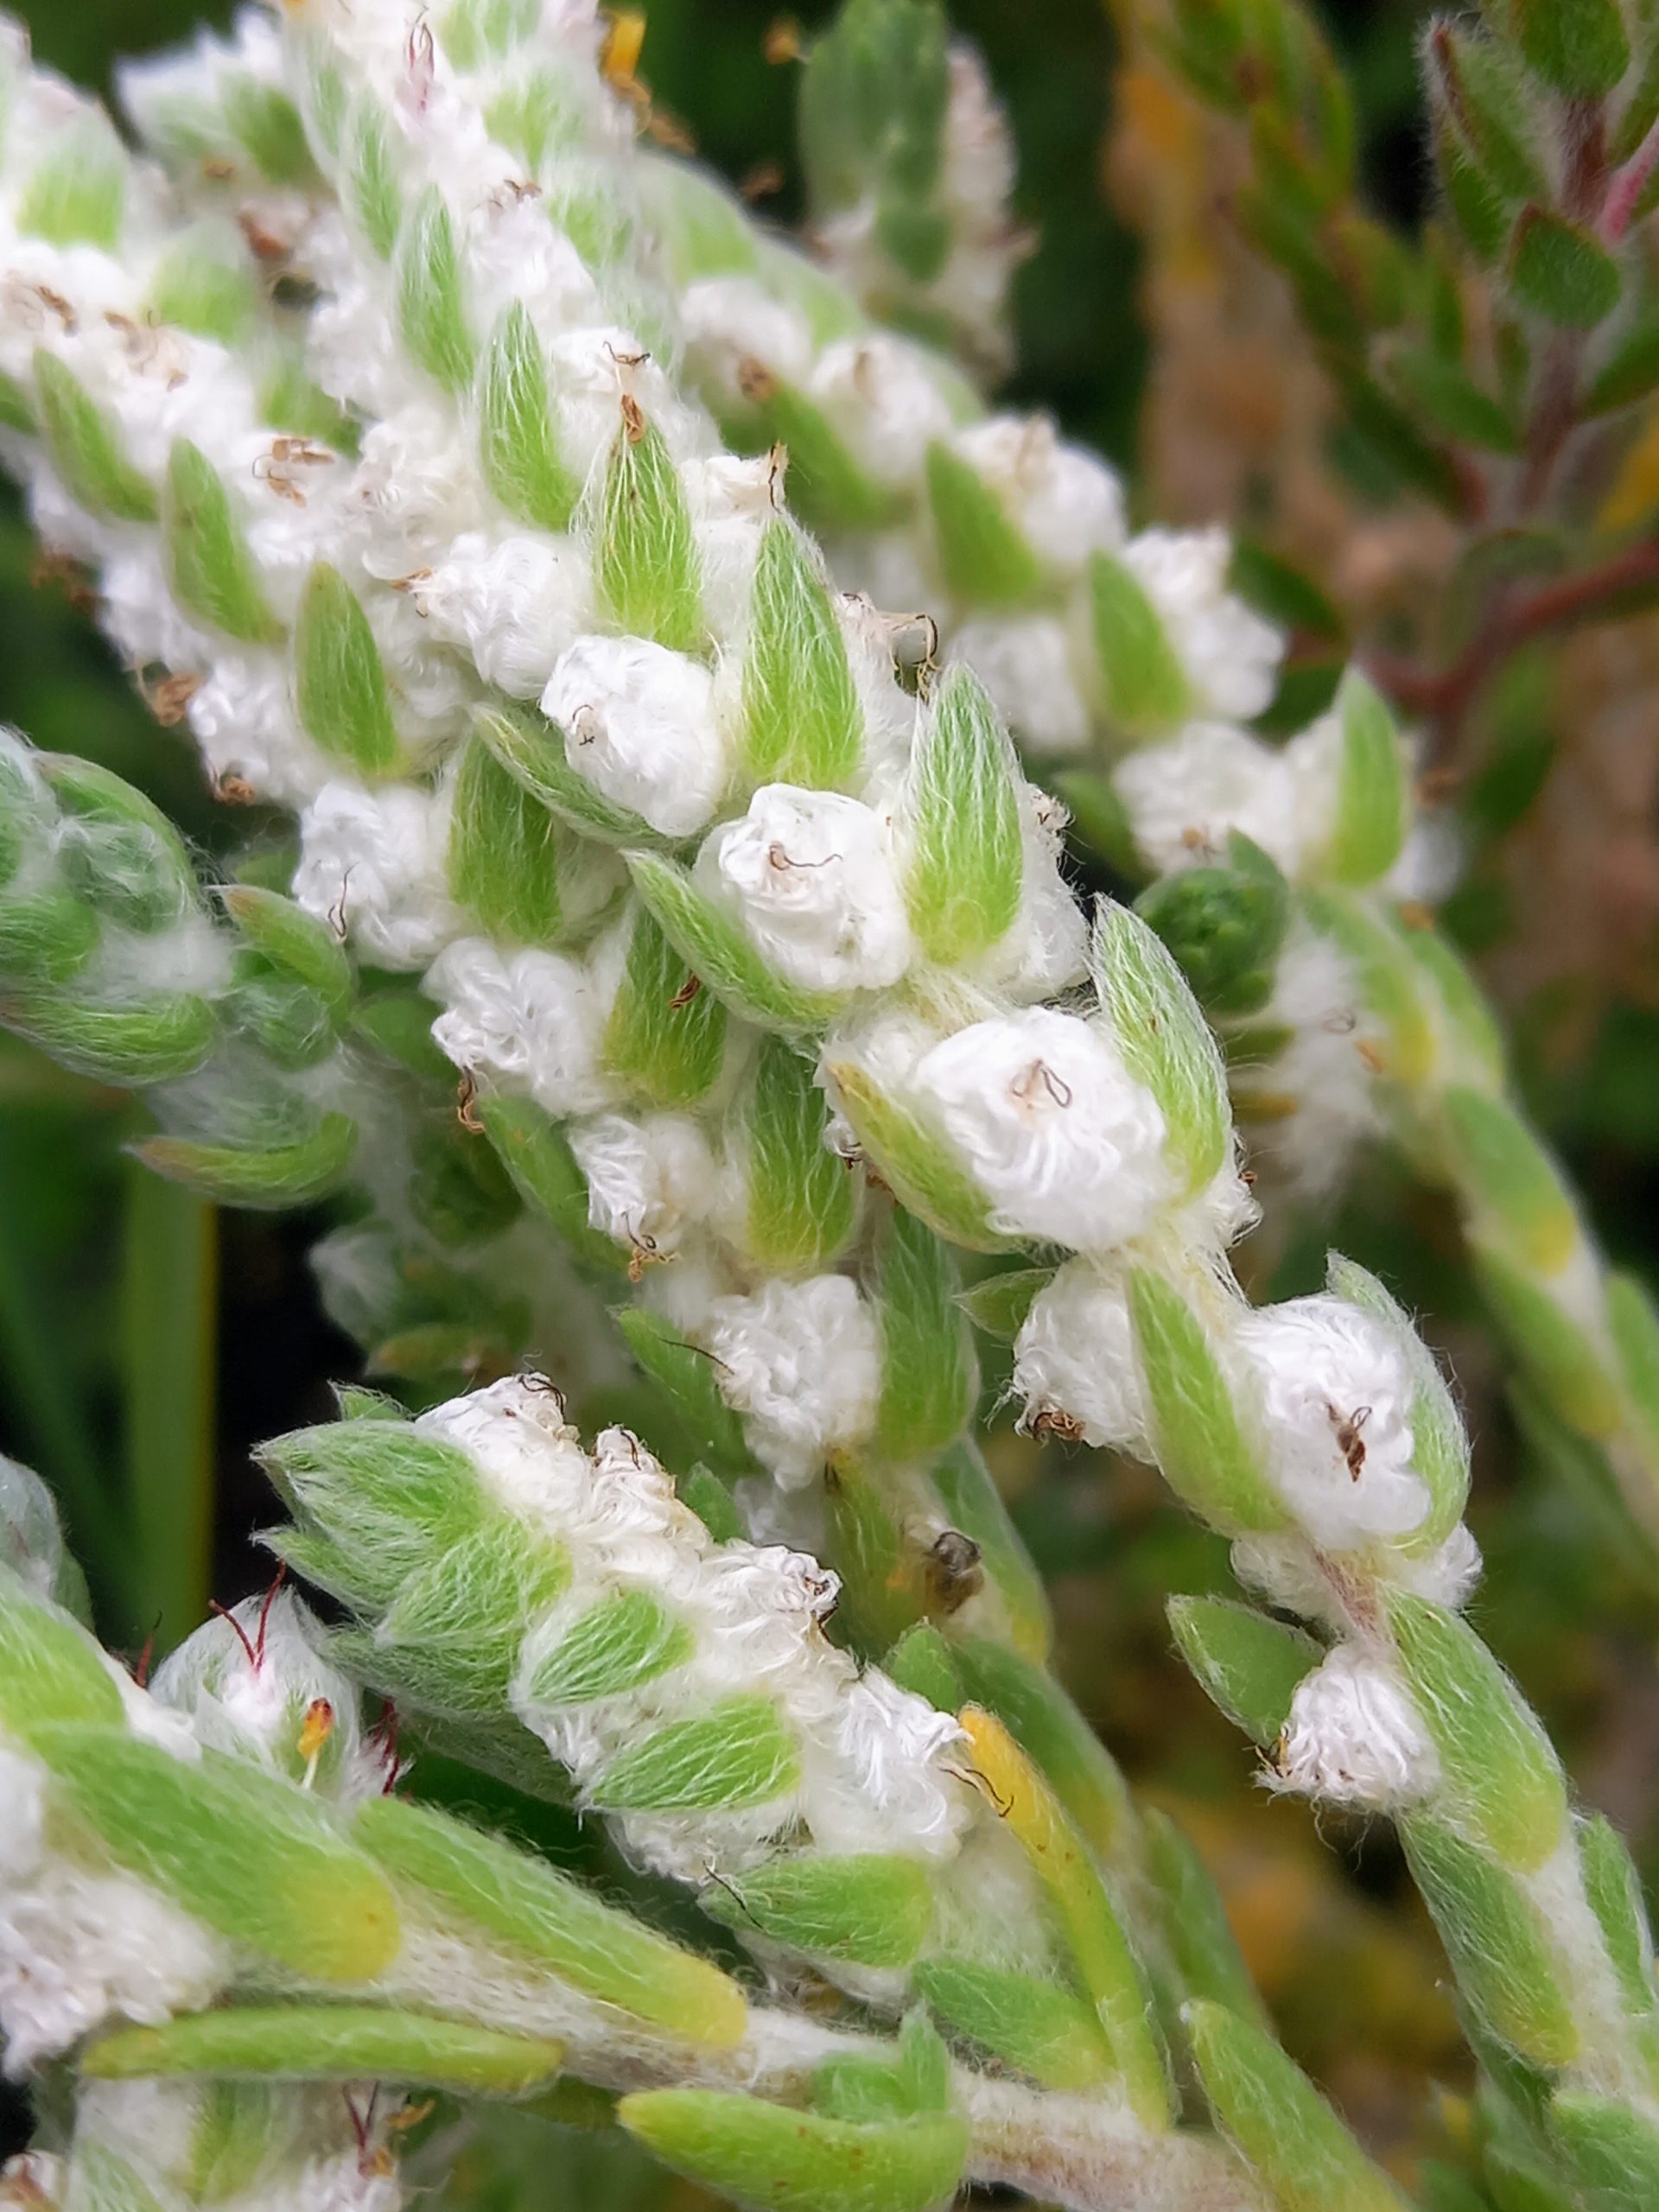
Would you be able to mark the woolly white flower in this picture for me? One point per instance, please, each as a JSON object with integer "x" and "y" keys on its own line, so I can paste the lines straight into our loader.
{"x": 1231, "y": 655}
{"x": 1333, "y": 1389}
{"x": 732, "y": 326}
{"x": 1185, "y": 797}
{"x": 648, "y": 1181}
{"x": 514, "y": 599}
{"x": 730, "y": 501}
{"x": 418, "y": 487}
{"x": 1317, "y": 1097}
{"x": 1354, "y": 1737}
{"x": 532, "y": 1019}
{"x": 1074, "y": 1361}
{"x": 640, "y": 725}
{"x": 1046, "y": 950}
{"x": 371, "y": 865}
{"x": 1065, "y": 502}
{"x": 801, "y": 1361}
{"x": 242, "y": 717}
{"x": 1065, "y": 1143}
{"x": 1024, "y": 662}
{"x": 878, "y": 393}
{"x": 888, "y": 1776}
{"x": 515, "y": 255}
{"x": 811, "y": 874}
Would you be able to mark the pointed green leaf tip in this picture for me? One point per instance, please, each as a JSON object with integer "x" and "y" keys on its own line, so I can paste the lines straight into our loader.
{"x": 518, "y": 444}
{"x": 1166, "y": 1042}
{"x": 716, "y": 948}
{"x": 207, "y": 555}
{"x": 340, "y": 687}
{"x": 263, "y": 1178}
{"x": 1284, "y": 2128}
{"x": 1144, "y": 685}
{"x": 802, "y": 720}
{"x": 432, "y": 299}
{"x": 614, "y": 1646}
{"x": 775, "y": 2159}
{"x": 986, "y": 560}
{"x": 967, "y": 864}
{"x": 666, "y": 1035}
{"x": 328, "y": 2043}
{"x": 1250, "y": 1665}
{"x": 872, "y": 1910}
{"x": 802, "y": 1198}
{"x": 646, "y": 559}
{"x": 503, "y": 852}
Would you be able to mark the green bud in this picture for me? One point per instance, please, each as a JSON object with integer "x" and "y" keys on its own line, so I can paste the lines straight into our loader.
{"x": 869, "y": 1909}
{"x": 267, "y": 122}
{"x": 986, "y": 559}
{"x": 535, "y": 1914}
{"x": 1496, "y": 1759}
{"x": 1038, "y": 2026}
{"x": 1249, "y": 1665}
{"x": 46, "y": 937}
{"x": 532, "y": 751}
{"x": 771, "y": 2157}
{"x": 339, "y": 685}
{"x": 719, "y": 950}
{"x": 645, "y": 553}
{"x": 828, "y": 489}
{"x": 1509, "y": 1177}
{"x": 78, "y": 195}
{"x": 975, "y": 1509}
{"x": 1143, "y": 685}
{"x": 50, "y": 1668}
{"x": 802, "y": 1200}
{"x": 1612, "y": 2151}
{"x": 254, "y": 1858}
{"x": 1497, "y": 1941}
{"x": 372, "y": 189}
{"x": 545, "y": 1174}
{"x": 1568, "y": 1368}
{"x": 1025, "y": 1696}
{"x": 967, "y": 863}
{"x": 503, "y": 858}
{"x": 517, "y": 441}
{"x": 689, "y": 1378}
{"x": 1286, "y": 2132}
{"x": 740, "y": 1752}
{"x": 1373, "y": 800}
{"x": 665, "y": 1036}
{"x": 1166, "y": 1042}
{"x": 327, "y": 2042}
{"x": 212, "y": 576}
{"x": 917, "y": 1166}
{"x": 929, "y": 1374}
{"x": 295, "y": 942}
{"x": 1562, "y": 272}
{"x": 84, "y": 445}
{"x": 140, "y": 1041}
{"x": 1206, "y": 1955}
{"x": 120, "y": 852}
{"x": 1224, "y": 927}
{"x": 998, "y": 1305}
{"x": 1202, "y": 1447}
{"x": 916, "y": 2079}
{"x": 1578, "y": 47}
{"x": 614, "y": 1646}
{"x": 432, "y": 299}
{"x": 802, "y": 721}
{"x": 264, "y": 1179}
{"x": 1614, "y": 1891}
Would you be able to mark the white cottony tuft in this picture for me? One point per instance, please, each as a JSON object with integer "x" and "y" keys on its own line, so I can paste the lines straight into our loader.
{"x": 1024, "y": 662}
{"x": 1354, "y": 1737}
{"x": 1066, "y": 503}
{"x": 514, "y": 600}
{"x": 811, "y": 874}
{"x": 802, "y": 1362}
{"x": 1229, "y": 653}
{"x": 533, "y": 1020}
{"x": 640, "y": 724}
{"x": 878, "y": 392}
{"x": 372, "y": 867}
{"x": 648, "y": 1181}
{"x": 1075, "y": 1364}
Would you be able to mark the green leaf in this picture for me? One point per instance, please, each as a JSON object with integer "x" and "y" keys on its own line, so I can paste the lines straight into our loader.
{"x": 828, "y": 489}
{"x": 771, "y": 2157}
{"x": 1250, "y": 1666}
{"x": 1463, "y": 1009}
{"x": 917, "y": 1165}
{"x": 869, "y": 1909}
{"x": 372, "y": 188}
{"x": 327, "y": 2042}
{"x": 50, "y": 1668}
{"x": 1509, "y": 1177}
{"x": 84, "y": 445}
{"x": 1373, "y": 803}
{"x": 1630, "y": 371}
{"x": 985, "y": 559}
{"x": 1559, "y": 1356}
{"x": 1100, "y": 821}
{"x": 1613, "y": 2152}
{"x": 998, "y": 1305}
{"x": 140, "y": 1041}
{"x": 532, "y": 750}
{"x": 616, "y": 1645}
{"x": 1634, "y": 1325}
{"x": 46, "y": 937}
{"x": 1447, "y": 399}
{"x": 339, "y": 684}
{"x": 916, "y": 2079}
{"x": 77, "y": 195}
{"x": 1166, "y": 1042}
{"x": 545, "y": 1174}
{"x": 1284, "y": 593}
{"x": 535, "y": 1914}
{"x": 1201, "y": 1445}
{"x": 517, "y": 427}
{"x": 921, "y": 1662}
{"x": 431, "y": 297}
{"x": 740, "y": 1752}
{"x": 1038, "y": 2026}
{"x": 268, "y": 125}
{"x": 1494, "y": 1754}
{"x": 1614, "y": 1890}
{"x": 1145, "y": 686}
{"x": 689, "y": 1376}
{"x": 1286, "y": 2132}
{"x": 646, "y": 561}
{"x": 504, "y": 853}
{"x": 966, "y": 871}
{"x": 265, "y": 1179}
{"x": 718, "y": 949}
{"x": 665, "y": 1036}
{"x": 1562, "y": 272}
{"x": 212, "y": 576}
{"x": 1488, "y": 100}
{"x": 253, "y": 1858}
{"x": 197, "y": 289}
{"x": 802, "y": 1199}
{"x": 1049, "y": 1729}
{"x": 930, "y": 1374}
{"x": 802, "y": 721}
{"x": 1387, "y": 977}
{"x": 1207, "y": 1958}
{"x": 295, "y": 942}
{"x": 975, "y": 1509}
{"x": 1578, "y": 47}
{"x": 1497, "y": 1941}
